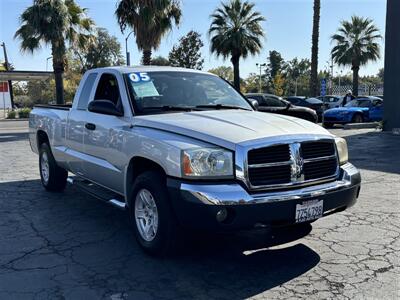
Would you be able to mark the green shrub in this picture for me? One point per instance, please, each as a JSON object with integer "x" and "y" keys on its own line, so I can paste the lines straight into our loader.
{"x": 24, "y": 113}
{"x": 12, "y": 114}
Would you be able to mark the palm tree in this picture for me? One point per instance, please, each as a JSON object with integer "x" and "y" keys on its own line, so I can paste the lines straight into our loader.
{"x": 314, "y": 49}
{"x": 150, "y": 21}
{"x": 236, "y": 32}
{"x": 356, "y": 44}
{"x": 54, "y": 23}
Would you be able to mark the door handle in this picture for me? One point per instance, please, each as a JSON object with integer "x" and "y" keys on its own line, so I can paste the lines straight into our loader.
{"x": 90, "y": 126}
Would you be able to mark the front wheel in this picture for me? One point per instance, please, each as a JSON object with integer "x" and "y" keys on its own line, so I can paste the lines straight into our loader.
{"x": 151, "y": 215}
{"x": 53, "y": 177}
{"x": 357, "y": 118}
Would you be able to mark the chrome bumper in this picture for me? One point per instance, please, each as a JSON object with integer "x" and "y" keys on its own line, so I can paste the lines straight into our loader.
{"x": 235, "y": 194}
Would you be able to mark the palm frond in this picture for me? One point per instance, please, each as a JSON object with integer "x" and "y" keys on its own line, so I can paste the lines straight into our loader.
{"x": 356, "y": 42}
{"x": 236, "y": 30}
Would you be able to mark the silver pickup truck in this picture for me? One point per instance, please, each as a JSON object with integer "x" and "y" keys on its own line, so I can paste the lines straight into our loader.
{"x": 182, "y": 149}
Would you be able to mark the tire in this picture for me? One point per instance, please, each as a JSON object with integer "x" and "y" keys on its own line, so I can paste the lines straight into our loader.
{"x": 327, "y": 125}
{"x": 164, "y": 237}
{"x": 53, "y": 177}
{"x": 357, "y": 118}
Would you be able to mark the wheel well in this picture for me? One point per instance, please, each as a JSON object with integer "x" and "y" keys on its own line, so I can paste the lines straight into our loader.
{"x": 137, "y": 166}
{"x": 358, "y": 114}
{"x": 42, "y": 138}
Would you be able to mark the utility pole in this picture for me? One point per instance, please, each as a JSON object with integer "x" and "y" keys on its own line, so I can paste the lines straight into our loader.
{"x": 7, "y": 66}
{"x": 128, "y": 58}
{"x": 260, "y": 66}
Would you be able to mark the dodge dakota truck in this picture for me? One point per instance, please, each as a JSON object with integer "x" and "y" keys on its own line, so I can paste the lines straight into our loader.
{"x": 182, "y": 150}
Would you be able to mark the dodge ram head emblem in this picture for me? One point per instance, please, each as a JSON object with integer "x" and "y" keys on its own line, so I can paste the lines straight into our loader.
{"x": 297, "y": 172}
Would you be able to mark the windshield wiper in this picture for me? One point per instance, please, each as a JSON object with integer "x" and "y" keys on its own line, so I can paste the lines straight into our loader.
{"x": 221, "y": 106}
{"x": 170, "y": 108}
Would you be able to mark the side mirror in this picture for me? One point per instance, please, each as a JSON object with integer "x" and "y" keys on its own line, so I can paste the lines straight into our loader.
{"x": 254, "y": 103}
{"x": 105, "y": 107}
{"x": 288, "y": 105}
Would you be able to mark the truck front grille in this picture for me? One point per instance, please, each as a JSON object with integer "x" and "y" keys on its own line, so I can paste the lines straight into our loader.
{"x": 292, "y": 164}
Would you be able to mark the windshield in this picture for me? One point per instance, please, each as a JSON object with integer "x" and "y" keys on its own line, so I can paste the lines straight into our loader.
{"x": 313, "y": 101}
{"x": 359, "y": 103}
{"x": 152, "y": 91}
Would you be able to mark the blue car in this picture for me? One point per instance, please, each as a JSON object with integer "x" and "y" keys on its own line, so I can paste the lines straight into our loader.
{"x": 363, "y": 109}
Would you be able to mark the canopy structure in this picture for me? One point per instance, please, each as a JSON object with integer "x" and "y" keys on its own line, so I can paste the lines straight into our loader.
{"x": 24, "y": 75}
{"x": 6, "y": 77}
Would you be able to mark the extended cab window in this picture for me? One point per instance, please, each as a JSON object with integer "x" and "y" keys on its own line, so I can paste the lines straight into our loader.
{"x": 107, "y": 89}
{"x": 85, "y": 93}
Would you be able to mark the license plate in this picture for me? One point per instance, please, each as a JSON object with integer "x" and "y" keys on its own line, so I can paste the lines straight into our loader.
{"x": 309, "y": 210}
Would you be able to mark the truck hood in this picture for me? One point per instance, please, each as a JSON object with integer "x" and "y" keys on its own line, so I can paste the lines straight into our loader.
{"x": 227, "y": 128}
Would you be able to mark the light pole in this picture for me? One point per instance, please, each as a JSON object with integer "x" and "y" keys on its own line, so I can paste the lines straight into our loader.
{"x": 340, "y": 86}
{"x": 8, "y": 67}
{"x": 260, "y": 66}
{"x": 128, "y": 58}
{"x": 47, "y": 62}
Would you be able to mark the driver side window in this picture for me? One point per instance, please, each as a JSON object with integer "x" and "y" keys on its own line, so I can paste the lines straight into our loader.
{"x": 377, "y": 103}
{"x": 107, "y": 89}
{"x": 273, "y": 102}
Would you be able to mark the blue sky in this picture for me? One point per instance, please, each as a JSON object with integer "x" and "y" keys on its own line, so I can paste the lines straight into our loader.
{"x": 288, "y": 29}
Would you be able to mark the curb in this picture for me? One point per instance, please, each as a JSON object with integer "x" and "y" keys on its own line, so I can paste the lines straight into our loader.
{"x": 11, "y": 120}
{"x": 361, "y": 125}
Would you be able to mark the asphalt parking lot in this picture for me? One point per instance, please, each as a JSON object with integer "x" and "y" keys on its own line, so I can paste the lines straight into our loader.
{"x": 71, "y": 246}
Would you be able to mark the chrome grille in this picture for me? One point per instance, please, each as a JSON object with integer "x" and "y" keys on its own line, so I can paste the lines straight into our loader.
{"x": 292, "y": 163}
{"x": 269, "y": 155}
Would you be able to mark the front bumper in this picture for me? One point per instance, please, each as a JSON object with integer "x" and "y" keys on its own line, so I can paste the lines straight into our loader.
{"x": 197, "y": 204}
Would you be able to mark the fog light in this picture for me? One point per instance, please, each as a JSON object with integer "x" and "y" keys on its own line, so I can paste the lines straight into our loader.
{"x": 222, "y": 214}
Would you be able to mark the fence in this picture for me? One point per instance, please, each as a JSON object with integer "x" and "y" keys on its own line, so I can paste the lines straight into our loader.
{"x": 363, "y": 89}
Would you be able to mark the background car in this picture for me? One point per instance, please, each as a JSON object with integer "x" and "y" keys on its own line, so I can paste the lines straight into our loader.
{"x": 331, "y": 101}
{"x": 362, "y": 109}
{"x": 312, "y": 103}
{"x": 274, "y": 104}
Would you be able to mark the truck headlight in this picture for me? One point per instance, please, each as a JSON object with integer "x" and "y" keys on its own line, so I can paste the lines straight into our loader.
{"x": 207, "y": 163}
{"x": 341, "y": 146}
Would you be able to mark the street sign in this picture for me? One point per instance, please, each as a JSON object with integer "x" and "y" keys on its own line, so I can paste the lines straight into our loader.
{"x": 323, "y": 87}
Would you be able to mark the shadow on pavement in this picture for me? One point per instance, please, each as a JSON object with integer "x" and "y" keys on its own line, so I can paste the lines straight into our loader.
{"x": 376, "y": 151}
{"x": 12, "y": 137}
{"x": 94, "y": 243}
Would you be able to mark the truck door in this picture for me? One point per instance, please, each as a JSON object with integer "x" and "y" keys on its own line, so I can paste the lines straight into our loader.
{"x": 104, "y": 160}
{"x": 76, "y": 125}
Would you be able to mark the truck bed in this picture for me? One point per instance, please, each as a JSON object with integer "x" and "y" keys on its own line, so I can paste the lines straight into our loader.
{"x": 54, "y": 106}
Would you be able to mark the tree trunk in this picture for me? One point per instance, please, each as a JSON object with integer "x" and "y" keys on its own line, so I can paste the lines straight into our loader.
{"x": 314, "y": 50}
{"x": 355, "y": 79}
{"x": 58, "y": 67}
{"x": 236, "y": 72}
{"x": 146, "y": 58}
